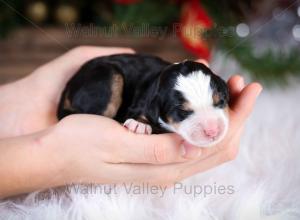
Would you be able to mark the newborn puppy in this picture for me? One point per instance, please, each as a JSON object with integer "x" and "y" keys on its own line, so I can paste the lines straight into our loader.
{"x": 149, "y": 95}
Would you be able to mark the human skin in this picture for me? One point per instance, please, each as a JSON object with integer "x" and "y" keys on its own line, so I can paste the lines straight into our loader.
{"x": 38, "y": 152}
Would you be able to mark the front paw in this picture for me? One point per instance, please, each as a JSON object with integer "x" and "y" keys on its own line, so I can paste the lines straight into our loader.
{"x": 137, "y": 127}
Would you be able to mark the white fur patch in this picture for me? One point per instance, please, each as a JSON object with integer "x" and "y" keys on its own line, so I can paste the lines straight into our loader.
{"x": 196, "y": 89}
{"x": 191, "y": 124}
{"x": 165, "y": 125}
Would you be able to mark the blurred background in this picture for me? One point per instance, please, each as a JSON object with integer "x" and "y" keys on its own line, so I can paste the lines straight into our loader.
{"x": 260, "y": 37}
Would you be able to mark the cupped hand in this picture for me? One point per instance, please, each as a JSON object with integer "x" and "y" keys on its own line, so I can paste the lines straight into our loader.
{"x": 99, "y": 150}
{"x": 29, "y": 105}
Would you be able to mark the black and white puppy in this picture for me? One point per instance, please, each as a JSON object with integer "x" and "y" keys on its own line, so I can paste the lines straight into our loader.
{"x": 149, "y": 95}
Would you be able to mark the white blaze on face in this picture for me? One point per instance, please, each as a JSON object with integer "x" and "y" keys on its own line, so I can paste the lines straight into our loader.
{"x": 195, "y": 88}
{"x": 208, "y": 124}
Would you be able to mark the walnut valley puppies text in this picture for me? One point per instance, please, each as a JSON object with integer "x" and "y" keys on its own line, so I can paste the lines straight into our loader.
{"x": 195, "y": 191}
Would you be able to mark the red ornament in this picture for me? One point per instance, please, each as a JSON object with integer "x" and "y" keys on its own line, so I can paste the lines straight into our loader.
{"x": 194, "y": 21}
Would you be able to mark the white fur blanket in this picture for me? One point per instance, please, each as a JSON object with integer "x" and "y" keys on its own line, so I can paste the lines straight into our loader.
{"x": 262, "y": 183}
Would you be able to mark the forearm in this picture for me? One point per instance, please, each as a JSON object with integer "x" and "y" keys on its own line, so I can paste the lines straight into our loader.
{"x": 12, "y": 102}
{"x": 23, "y": 110}
{"x": 27, "y": 165}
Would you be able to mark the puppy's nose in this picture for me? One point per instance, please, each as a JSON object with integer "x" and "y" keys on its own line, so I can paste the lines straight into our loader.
{"x": 211, "y": 129}
{"x": 211, "y": 132}
{"x": 207, "y": 130}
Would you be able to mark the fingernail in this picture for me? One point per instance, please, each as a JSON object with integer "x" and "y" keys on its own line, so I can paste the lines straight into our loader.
{"x": 259, "y": 90}
{"x": 241, "y": 83}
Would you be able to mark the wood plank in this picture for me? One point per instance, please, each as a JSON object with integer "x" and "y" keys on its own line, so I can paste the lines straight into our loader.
{"x": 27, "y": 48}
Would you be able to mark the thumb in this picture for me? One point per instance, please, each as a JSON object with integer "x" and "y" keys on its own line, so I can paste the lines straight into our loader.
{"x": 156, "y": 149}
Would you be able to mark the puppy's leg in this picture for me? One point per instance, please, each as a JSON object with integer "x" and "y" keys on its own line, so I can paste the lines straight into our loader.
{"x": 137, "y": 127}
{"x": 95, "y": 89}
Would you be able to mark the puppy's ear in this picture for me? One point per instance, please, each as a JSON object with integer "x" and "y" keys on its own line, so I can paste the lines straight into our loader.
{"x": 220, "y": 90}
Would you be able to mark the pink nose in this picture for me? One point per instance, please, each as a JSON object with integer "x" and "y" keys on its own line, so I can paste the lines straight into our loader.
{"x": 211, "y": 132}
{"x": 208, "y": 131}
{"x": 211, "y": 129}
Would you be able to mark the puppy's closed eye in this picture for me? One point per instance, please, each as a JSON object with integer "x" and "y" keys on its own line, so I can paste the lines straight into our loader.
{"x": 181, "y": 113}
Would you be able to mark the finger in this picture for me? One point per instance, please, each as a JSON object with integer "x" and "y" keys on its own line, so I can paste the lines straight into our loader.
{"x": 60, "y": 70}
{"x": 191, "y": 168}
{"x": 235, "y": 85}
{"x": 67, "y": 64}
{"x": 167, "y": 174}
{"x": 231, "y": 140}
{"x": 206, "y": 162}
{"x": 154, "y": 149}
{"x": 164, "y": 173}
{"x": 244, "y": 103}
{"x": 203, "y": 61}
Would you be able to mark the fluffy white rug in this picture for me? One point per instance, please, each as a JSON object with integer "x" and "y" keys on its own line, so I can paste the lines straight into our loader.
{"x": 263, "y": 183}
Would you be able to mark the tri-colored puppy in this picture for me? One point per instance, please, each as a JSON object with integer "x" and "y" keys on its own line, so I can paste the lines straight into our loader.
{"x": 149, "y": 95}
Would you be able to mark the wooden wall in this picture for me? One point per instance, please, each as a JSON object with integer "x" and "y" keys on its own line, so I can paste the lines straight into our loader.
{"x": 26, "y": 49}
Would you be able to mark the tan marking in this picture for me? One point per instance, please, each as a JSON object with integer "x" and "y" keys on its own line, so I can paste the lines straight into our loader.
{"x": 171, "y": 122}
{"x": 143, "y": 119}
{"x": 187, "y": 106}
{"x": 216, "y": 98}
{"x": 226, "y": 110}
{"x": 116, "y": 96}
{"x": 67, "y": 103}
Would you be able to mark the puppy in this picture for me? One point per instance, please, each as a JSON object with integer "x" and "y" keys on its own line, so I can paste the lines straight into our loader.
{"x": 149, "y": 95}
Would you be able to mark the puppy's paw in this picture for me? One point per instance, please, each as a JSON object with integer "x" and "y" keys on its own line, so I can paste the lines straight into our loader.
{"x": 137, "y": 127}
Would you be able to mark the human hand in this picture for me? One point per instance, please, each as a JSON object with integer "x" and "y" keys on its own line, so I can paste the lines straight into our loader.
{"x": 89, "y": 148}
{"x": 99, "y": 150}
{"x": 29, "y": 105}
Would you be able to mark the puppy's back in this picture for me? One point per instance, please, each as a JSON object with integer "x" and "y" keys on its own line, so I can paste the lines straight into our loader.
{"x": 105, "y": 85}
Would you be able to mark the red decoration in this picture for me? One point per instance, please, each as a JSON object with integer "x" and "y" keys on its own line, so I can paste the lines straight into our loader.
{"x": 194, "y": 20}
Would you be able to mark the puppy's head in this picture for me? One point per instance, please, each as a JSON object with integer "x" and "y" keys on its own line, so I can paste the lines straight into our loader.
{"x": 193, "y": 102}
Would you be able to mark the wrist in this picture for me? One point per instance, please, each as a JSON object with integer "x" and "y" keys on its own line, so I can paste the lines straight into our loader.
{"x": 58, "y": 156}
{"x": 32, "y": 164}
